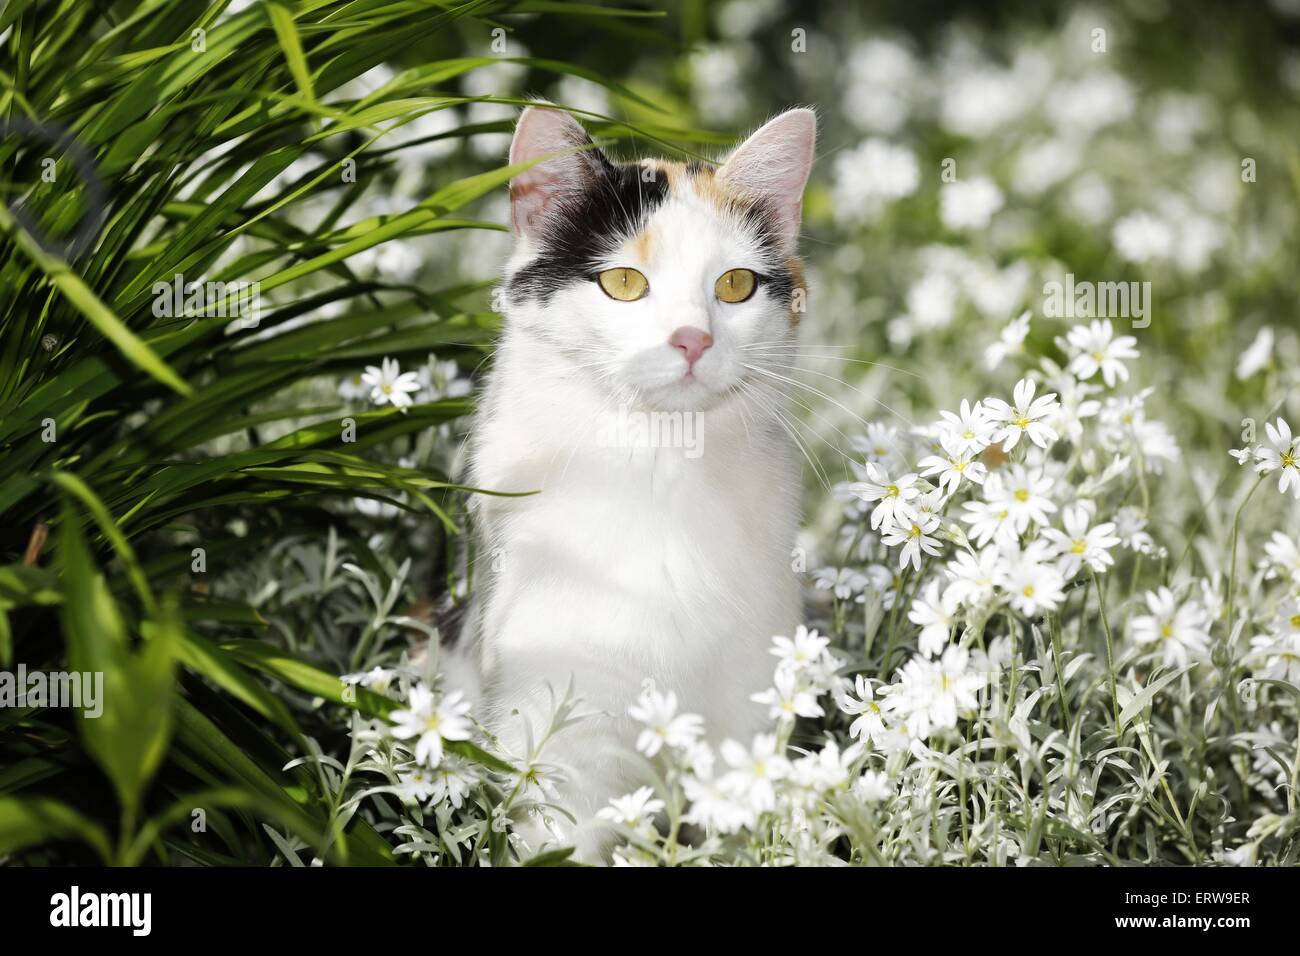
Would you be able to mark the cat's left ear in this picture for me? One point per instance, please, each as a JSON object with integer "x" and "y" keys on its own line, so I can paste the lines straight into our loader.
{"x": 772, "y": 166}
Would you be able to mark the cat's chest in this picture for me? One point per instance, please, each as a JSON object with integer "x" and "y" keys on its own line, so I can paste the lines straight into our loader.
{"x": 643, "y": 542}
{"x": 642, "y": 516}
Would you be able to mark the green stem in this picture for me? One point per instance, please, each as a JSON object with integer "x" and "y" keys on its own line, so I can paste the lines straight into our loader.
{"x": 1110, "y": 652}
{"x": 1232, "y": 568}
{"x": 1054, "y": 629}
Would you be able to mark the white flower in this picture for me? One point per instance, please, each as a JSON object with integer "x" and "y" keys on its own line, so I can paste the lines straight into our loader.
{"x": 1130, "y": 526}
{"x": 912, "y": 531}
{"x": 989, "y": 522}
{"x": 788, "y": 696}
{"x": 442, "y": 380}
{"x": 1022, "y": 494}
{"x": 1095, "y": 100}
{"x": 973, "y": 576}
{"x": 869, "y": 177}
{"x": 884, "y": 584}
{"x": 870, "y": 723}
{"x": 663, "y": 725}
{"x": 1011, "y": 341}
{"x": 930, "y": 695}
{"x": 754, "y": 771}
{"x": 1243, "y": 456}
{"x": 1280, "y": 651}
{"x": 415, "y": 784}
{"x": 1141, "y": 237}
{"x": 826, "y": 769}
{"x": 1031, "y": 581}
{"x": 977, "y": 99}
{"x": 846, "y": 583}
{"x": 969, "y": 431}
{"x": 389, "y": 384}
{"x": 932, "y": 300}
{"x": 1279, "y": 655}
{"x": 935, "y": 615}
{"x": 1079, "y": 545}
{"x": 1150, "y": 439}
{"x": 432, "y": 721}
{"x": 881, "y": 81}
{"x": 1284, "y": 455}
{"x": 1097, "y": 349}
{"x": 452, "y": 781}
{"x": 1258, "y": 355}
{"x": 1181, "y": 631}
{"x": 873, "y": 787}
{"x": 1024, "y": 417}
{"x": 880, "y": 445}
{"x": 353, "y": 388}
{"x": 715, "y": 808}
{"x": 801, "y": 650}
{"x": 1287, "y": 620}
{"x": 377, "y": 679}
{"x": 969, "y": 203}
{"x": 954, "y": 465}
{"x": 717, "y": 79}
{"x": 1075, "y": 403}
{"x": 1284, "y": 555}
{"x": 635, "y": 810}
{"x": 892, "y": 494}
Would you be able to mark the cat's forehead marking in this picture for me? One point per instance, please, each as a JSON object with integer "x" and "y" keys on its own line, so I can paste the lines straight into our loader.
{"x": 643, "y": 245}
{"x": 701, "y": 180}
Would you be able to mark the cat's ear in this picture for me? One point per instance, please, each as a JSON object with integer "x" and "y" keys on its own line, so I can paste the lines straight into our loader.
{"x": 771, "y": 167}
{"x": 543, "y": 190}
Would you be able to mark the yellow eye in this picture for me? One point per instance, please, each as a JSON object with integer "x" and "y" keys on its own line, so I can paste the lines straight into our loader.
{"x": 735, "y": 285}
{"x": 626, "y": 285}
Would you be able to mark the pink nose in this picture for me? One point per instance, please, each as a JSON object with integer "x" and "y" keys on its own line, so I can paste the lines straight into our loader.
{"x": 692, "y": 342}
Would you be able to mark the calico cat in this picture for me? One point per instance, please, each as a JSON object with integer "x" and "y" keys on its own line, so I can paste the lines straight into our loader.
{"x": 641, "y": 293}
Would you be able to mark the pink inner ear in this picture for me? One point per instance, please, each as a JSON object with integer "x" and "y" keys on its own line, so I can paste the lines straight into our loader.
{"x": 772, "y": 166}
{"x": 535, "y": 193}
{"x": 531, "y": 196}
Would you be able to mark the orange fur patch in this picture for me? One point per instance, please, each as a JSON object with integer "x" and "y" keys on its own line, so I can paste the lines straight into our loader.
{"x": 703, "y": 180}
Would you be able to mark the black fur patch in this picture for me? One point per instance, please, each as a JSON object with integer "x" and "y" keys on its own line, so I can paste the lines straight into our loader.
{"x": 615, "y": 205}
{"x": 779, "y": 281}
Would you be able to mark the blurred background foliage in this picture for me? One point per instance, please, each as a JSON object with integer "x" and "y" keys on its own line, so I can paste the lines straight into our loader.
{"x": 227, "y": 163}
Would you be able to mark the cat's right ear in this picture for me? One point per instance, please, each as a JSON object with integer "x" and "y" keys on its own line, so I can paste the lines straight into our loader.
{"x": 545, "y": 189}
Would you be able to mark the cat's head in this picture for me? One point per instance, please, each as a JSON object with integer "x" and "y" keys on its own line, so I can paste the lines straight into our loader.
{"x": 660, "y": 281}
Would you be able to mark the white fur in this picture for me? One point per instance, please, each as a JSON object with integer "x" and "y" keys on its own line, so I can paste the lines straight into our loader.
{"x": 632, "y": 562}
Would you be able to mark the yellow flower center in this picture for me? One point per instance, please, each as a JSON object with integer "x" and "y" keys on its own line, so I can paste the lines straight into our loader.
{"x": 1166, "y": 631}
{"x": 1022, "y": 494}
{"x": 1080, "y": 546}
{"x": 1021, "y": 422}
